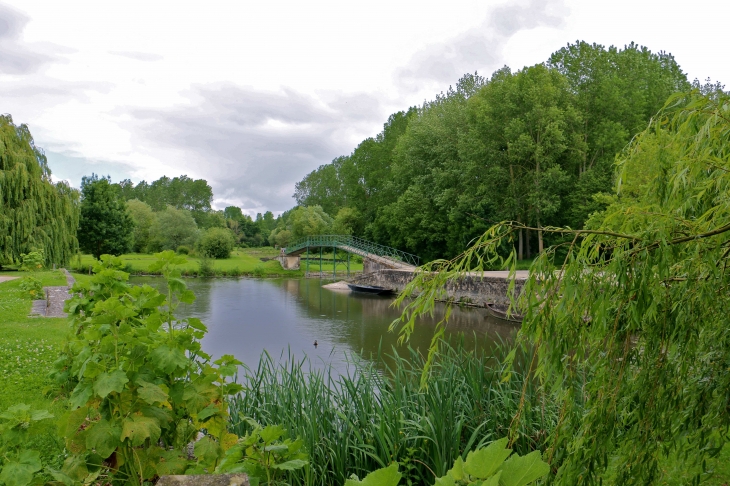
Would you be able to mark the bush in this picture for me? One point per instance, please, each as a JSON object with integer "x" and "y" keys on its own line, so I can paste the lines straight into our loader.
{"x": 216, "y": 243}
{"x": 183, "y": 250}
{"x": 259, "y": 271}
{"x": 33, "y": 286}
{"x": 33, "y": 260}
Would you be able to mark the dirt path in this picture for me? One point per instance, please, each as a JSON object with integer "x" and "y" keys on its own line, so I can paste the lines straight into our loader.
{"x": 5, "y": 278}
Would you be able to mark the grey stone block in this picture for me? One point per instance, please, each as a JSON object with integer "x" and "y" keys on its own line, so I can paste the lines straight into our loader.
{"x": 238, "y": 479}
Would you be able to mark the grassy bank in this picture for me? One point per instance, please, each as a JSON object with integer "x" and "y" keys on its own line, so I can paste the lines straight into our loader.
{"x": 242, "y": 262}
{"x": 28, "y": 347}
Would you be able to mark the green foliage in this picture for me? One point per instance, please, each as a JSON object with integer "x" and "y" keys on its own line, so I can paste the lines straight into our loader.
{"x": 216, "y": 243}
{"x": 534, "y": 145}
{"x": 172, "y": 228}
{"x": 183, "y": 250}
{"x": 105, "y": 225}
{"x": 33, "y": 287}
{"x": 387, "y": 476}
{"x": 488, "y": 466}
{"x": 265, "y": 455}
{"x": 205, "y": 265}
{"x": 143, "y": 218}
{"x": 379, "y": 413}
{"x": 19, "y": 465}
{"x": 32, "y": 261}
{"x": 138, "y": 384}
{"x": 259, "y": 271}
{"x": 346, "y": 222}
{"x": 34, "y": 212}
{"x": 630, "y": 319}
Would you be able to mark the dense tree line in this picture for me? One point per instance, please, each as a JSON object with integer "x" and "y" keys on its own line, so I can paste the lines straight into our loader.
{"x": 535, "y": 146}
{"x": 35, "y": 213}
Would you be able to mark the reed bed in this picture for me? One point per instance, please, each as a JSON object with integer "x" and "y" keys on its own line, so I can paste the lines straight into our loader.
{"x": 377, "y": 413}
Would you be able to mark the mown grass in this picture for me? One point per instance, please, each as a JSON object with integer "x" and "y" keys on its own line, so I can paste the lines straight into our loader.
{"x": 242, "y": 262}
{"x": 28, "y": 347}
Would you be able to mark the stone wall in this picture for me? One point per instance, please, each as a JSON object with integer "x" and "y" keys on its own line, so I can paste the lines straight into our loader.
{"x": 289, "y": 262}
{"x": 472, "y": 289}
{"x": 370, "y": 266}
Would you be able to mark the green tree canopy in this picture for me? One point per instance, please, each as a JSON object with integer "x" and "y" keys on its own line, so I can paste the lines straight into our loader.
{"x": 34, "y": 212}
{"x": 172, "y": 228}
{"x": 216, "y": 243}
{"x": 105, "y": 225}
{"x": 143, "y": 218}
{"x": 629, "y": 320}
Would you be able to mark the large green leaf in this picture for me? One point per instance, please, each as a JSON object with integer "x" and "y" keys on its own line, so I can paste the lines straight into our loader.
{"x": 207, "y": 450}
{"x": 103, "y": 437}
{"x": 151, "y": 393}
{"x": 110, "y": 382}
{"x": 168, "y": 359}
{"x": 292, "y": 465}
{"x": 482, "y": 463}
{"x": 138, "y": 429}
{"x": 19, "y": 472}
{"x": 519, "y": 471}
{"x": 387, "y": 476}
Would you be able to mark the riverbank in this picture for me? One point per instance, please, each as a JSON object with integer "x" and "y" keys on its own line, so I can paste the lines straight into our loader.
{"x": 243, "y": 262}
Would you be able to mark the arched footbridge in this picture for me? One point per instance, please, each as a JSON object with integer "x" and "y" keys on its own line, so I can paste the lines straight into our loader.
{"x": 374, "y": 256}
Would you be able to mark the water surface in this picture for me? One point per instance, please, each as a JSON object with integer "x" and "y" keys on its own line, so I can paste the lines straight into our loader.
{"x": 247, "y": 316}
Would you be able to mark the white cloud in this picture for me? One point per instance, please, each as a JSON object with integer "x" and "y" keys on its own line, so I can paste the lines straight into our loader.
{"x": 253, "y": 95}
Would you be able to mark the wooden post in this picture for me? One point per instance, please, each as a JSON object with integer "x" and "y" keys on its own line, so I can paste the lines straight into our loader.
{"x": 306, "y": 272}
{"x": 348, "y": 264}
{"x": 320, "y": 262}
{"x": 334, "y": 263}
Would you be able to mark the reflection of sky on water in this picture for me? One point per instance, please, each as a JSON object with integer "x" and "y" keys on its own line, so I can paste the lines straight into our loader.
{"x": 247, "y": 316}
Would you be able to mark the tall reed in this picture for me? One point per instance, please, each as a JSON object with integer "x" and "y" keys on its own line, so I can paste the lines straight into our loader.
{"x": 376, "y": 413}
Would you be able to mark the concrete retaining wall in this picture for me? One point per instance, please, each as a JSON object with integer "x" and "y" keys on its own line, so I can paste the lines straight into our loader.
{"x": 289, "y": 262}
{"x": 472, "y": 289}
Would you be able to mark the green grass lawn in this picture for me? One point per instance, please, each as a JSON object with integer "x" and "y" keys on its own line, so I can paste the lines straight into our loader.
{"x": 28, "y": 348}
{"x": 241, "y": 262}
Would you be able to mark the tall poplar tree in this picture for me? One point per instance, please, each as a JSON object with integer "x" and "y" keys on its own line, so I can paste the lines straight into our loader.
{"x": 106, "y": 225}
{"x": 34, "y": 212}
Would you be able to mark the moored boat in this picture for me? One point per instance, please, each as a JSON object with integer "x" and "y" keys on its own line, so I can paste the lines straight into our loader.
{"x": 500, "y": 312}
{"x": 369, "y": 289}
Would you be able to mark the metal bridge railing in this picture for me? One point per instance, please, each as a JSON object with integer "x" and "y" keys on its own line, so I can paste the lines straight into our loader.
{"x": 337, "y": 241}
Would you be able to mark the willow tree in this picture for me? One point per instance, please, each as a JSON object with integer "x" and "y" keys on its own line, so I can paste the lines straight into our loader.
{"x": 630, "y": 320}
{"x": 34, "y": 212}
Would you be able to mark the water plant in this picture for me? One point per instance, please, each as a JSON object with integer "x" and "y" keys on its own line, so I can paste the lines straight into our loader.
{"x": 378, "y": 413}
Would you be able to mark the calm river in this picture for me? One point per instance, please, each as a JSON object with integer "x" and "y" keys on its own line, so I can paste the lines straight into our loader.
{"x": 247, "y": 316}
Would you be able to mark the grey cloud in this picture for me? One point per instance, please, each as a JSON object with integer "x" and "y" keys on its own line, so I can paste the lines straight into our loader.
{"x": 479, "y": 48}
{"x": 138, "y": 56}
{"x": 253, "y": 146}
{"x": 17, "y": 57}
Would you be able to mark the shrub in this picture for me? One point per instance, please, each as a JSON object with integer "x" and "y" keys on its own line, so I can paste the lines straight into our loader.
{"x": 149, "y": 388}
{"x": 205, "y": 266}
{"x": 33, "y": 286}
{"x": 32, "y": 261}
{"x": 216, "y": 243}
{"x": 259, "y": 270}
{"x": 183, "y": 250}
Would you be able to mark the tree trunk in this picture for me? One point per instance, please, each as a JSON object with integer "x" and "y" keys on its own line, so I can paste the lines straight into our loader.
{"x": 527, "y": 243}
{"x": 520, "y": 254}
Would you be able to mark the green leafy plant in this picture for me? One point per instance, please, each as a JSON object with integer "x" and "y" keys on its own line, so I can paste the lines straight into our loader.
{"x": 494, "y": 465}
{"x": 18, "y": 466}
{"x": 264, "y": 455}
{"x": 183, "y": 250}
{"x": 139, "y": 386}
{"x": 259, "y": 270}
{"x": 33, "y": 260}
{"x": 205, "y": 265}
{"x": 33, "y": 286}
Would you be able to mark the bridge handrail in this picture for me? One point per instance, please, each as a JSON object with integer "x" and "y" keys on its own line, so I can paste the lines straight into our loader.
{"x": 354, "y": 242}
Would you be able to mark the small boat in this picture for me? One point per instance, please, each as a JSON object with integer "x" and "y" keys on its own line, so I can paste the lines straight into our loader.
{"x": 370, "y": 289}
{"x": 500, "y": 312}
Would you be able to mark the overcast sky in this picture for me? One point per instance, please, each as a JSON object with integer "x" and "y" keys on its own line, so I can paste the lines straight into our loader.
{"x": 254, "y": 95}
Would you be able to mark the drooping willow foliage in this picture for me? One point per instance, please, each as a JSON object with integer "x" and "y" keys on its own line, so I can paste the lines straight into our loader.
{"x": 34, "y": 212}
{"x": 631, "y": 318}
